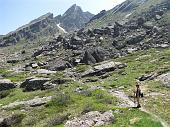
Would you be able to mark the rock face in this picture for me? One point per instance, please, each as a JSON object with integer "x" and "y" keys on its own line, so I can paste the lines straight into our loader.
{"x": 74, "y": 18}
{"x": 33, "y": 84}
{"x": 92, "y": 119}
{"x": 6, "y": 84}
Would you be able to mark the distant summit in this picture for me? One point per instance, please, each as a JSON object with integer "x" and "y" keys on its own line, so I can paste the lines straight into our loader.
{"x": 74, "y": 18}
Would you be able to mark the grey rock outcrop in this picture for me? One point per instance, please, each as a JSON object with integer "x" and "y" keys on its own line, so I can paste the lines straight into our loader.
{"x": 103, "y": 31}
{"x": 44, "y": 71}
{"x": 59, "y": 65}
{"x": 165, "y": 78}
{"x": 102, "y": 68}
{"x": 150, "y": 76}
{"x": 10, "y": 120}
{"x": 37, "y": 101}
{"x": 13, "y": 61}
{"x": 6, "y": 84}
{"x": 32, "y": 84}
{"x": 133, "y": 39}
{"x": 94, "y": 56}
{"x": 93, "y": 118}
{"x": 88, "y": 58}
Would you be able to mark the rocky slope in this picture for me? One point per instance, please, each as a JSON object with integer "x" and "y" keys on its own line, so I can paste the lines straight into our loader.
{"x": 86, "y": 78}
{"x": 129, "y": 10}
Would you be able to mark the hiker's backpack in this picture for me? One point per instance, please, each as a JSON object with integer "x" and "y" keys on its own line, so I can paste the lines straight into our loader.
{"x": 141, "y": 94}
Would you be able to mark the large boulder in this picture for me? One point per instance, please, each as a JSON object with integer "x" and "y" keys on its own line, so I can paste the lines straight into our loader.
{"x": 92, "y": 119}
{"x": 133, "y": 39}
{"x": 37, "y": 101}
{"x": 103, "y": 31}
{"x": 148, "y": 25}
{"x": 6, "y": 84}
{"x": 165, "y": 78}
{"x": 13, "y": 61}
{"x": 75, "y": 40}
{"x": 108, "y": 66}
{"x": 140, "y": 21}
{"x": 150, "y": 76}
{"x": 99, "y": 54}
{"x": 59, "y": 65}
{"x": 116, "y": 31}
{"x": 44, "y": 71}
{"x": 88, "y": 58}
{"x": 94, "y": 56}
{"x": 32, "y": 84}
{"x": 102, "y": 68}
{"x": 10, "y": 120}
{"x": 118, "y": 44}
{"x": 158, "y": 17}
{"x": 38, "y": 52}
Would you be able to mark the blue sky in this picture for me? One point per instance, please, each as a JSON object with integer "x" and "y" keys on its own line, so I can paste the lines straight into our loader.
{"x": 15, "y": 13}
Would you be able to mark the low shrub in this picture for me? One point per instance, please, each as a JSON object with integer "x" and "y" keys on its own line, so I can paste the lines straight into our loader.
{"x": 4, "y": 93}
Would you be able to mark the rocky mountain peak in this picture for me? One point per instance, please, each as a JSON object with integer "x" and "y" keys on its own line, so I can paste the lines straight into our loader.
{"x": 74, "y": 18}
{"x": 73, "y": 10}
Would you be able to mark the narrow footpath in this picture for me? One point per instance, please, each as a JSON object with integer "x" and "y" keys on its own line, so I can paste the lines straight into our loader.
{"x": 129, "y": 103}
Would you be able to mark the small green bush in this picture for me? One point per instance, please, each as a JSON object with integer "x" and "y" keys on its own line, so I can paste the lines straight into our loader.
{"x": 4, "y": 93}
{"x": 87, "y": 108}
{"x": 60, "y": 99}
{"x": 81, "y": 68}
{"x": 57, "y": 120}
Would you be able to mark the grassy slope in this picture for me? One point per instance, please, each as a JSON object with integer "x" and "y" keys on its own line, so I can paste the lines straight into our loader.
{"x": 137, "y": 64}
{"x": 152, "y": 61}
{"x": 166, "y": 19}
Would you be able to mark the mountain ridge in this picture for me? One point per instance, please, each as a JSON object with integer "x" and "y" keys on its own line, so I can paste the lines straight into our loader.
{"x": 126, "y": 11}
{"x": 45, "y": 26}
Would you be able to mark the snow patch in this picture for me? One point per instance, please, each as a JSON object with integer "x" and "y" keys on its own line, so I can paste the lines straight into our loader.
{"x": 128, "y": 15}
{"x": 62, "y": 29}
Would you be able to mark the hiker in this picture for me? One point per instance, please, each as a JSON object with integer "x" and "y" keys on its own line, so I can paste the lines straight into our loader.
{"x": 137, "y": 94}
